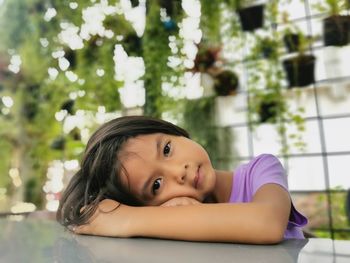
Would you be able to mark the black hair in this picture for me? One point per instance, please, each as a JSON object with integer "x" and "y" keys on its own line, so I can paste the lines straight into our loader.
{"x": 100, "y": 168}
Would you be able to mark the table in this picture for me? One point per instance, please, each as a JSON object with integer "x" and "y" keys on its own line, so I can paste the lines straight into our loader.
{"x": 34, "y": 240}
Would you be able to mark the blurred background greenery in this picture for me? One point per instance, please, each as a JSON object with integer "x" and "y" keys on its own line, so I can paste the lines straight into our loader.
{"x": 66, "y": 67}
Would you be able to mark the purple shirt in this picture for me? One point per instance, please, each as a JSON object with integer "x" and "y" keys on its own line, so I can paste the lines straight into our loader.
{"x": 265, "y": 169}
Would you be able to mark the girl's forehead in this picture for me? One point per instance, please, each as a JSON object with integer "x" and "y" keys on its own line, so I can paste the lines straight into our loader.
{"x": 140, "y": 147}
{"x": 137, "y": 158}
{"x": 141, "y": 141}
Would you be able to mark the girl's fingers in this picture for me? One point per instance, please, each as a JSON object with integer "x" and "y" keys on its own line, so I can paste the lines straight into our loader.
{"x": 83, "y": 229}
{"x": 178, "y": 201}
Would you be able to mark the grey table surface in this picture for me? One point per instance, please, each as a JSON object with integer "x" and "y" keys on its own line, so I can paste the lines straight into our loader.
{"x": 33, "y": 240}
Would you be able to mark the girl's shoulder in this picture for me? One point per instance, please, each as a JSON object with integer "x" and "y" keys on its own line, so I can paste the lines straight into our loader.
{"x": 262, "y": 169}
{"x": 265, "y": 157}
{"x": 262, "y": 162}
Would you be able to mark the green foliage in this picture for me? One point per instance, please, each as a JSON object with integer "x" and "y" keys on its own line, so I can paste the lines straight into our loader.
{"x": 156, "y": 51}
{"x": 155, "y": 39}
{"x": 339, "y": 219}
{"x": 238, "y": 4}
{"x": 211, "y": 20}
{"x": 14, "y": 23}
{"x": 267, "y": 47}
{"x": 31, "y": 122}
{"x": 5, "y": 158}
{"x": 267, "y": 92}
{"x": 198, "y": 120}
{"x": 333, "y": 7}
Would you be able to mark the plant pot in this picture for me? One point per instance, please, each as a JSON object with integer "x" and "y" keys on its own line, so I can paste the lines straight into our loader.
{"x": 68, "y": 105}
{"x": 71, "y": 56}
{"x": 58, "y": 144}
{"x": 300, "y": 70}
{"x": 90, "y": 53}
{"x": 268, "y": 111}
{"x": 75, "y": 134}
{"x": 205, "y": 58}
{"x": 268, "y": 48}
{"x": 134, "y": 3}
{"x": 268, "y": 52}
{"x": 30, "y": 110}
{"x": 251, "y": 17}
{"x": 336, "y": 30}
{"x": 172, "y": 7}
{"x": 132, "y": 45}
{"x": 226, "y": 83}
{"x": 291, "y": 42}
{"x": 170, "y": 25}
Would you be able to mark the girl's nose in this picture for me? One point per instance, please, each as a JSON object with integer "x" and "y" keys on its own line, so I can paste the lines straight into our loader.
{"x": 177, "y": 173}
{"x": 182, "y": 175}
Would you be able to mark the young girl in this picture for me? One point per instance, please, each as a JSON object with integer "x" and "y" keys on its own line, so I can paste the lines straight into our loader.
{"x": 144, "y": 177}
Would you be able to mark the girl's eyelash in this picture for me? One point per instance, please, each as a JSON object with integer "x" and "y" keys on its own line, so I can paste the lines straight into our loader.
{"x": 158, "y": 182}
{"x": 166, "y": 149}
{"x": 156, "y": 185}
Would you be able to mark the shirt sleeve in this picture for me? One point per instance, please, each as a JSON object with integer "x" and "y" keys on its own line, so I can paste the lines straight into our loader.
{"x": 265, "y": 169}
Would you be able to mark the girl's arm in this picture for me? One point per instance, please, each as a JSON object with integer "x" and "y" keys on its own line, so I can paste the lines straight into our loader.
{"x": 262, "y": 221}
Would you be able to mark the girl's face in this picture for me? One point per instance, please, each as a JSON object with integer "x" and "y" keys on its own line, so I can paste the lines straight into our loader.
{"x": 160, "y": 167}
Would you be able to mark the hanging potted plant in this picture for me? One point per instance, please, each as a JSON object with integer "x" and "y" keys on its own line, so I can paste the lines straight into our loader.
{"x": 267, "y": 101}
{"x": 300, "y": 69}
{"x": 68, "y": 105}
{"x": 132, "y": 44}
{"x": 226, "y": 83}
{"x": 266, "y": 47}
{"x": 291, "y": 42}
{"x": 206, "y": 59}
{"x": 173, "y": 8}
{"x": 209, "y": 63}
{"x": 71, "y": 56}
{"x": 336, "y": 27}
{"x": 291, "y": 35}
{"x": 268, "y": 105}
{"x": 267, "y": 42}
{"x": 251, "y": 14}
{"x": 134, "y": 3}
{"x": 58, "y": 143}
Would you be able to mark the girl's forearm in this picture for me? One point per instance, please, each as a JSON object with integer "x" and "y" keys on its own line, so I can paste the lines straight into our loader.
{"x": 246, "y": 223}
{"x": 262, "y": 221}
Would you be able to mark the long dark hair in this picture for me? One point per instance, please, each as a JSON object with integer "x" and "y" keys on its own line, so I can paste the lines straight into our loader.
{"x": 99, "y": 174}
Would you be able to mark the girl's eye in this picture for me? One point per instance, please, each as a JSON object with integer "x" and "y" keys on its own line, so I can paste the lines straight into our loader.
{"x": 167, "y": 149}
{"x": 156, "y": 185}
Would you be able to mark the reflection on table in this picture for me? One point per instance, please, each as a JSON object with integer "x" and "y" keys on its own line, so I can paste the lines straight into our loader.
{"x": 33, "y": 240}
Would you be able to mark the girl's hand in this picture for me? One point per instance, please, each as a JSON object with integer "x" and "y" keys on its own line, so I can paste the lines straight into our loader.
{"x": 114, "y": 219}
{"x": 179, "y": 201}
{"x": 110, "y": 219}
